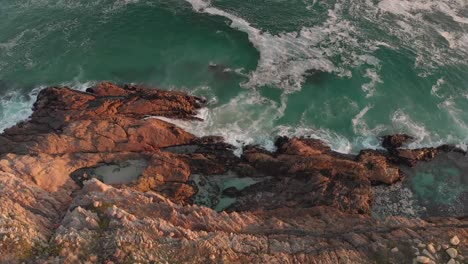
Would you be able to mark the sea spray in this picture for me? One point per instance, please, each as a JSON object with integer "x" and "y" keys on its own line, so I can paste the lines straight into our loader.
{"x": 16, "y": 107}
{"x": 404, "y": 61}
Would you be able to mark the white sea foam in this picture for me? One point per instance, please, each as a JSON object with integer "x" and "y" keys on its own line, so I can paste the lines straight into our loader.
{"x": 402, "y": 122}
{"x": 415, "y": 7}
{"x": 450, "y": 39}
{"x": 288, "y": 57}
{"x": 119, "y": 5}
{"x": 436, "y": 87}
{"x": 250, "y": 118}
{"x": 366, "y": 136}
{"x": 463, "y": 42}
{"x": 413, "y": 25}
{"x": 456, "y": 40}
{"x": 406, "y": 8}
{"x": 457, "y": 116}
{"x": 15, "y": 107}
{"x": 452, "y": 10}
{"x": 77, "y": 85}
{"x": 360, "y": 126}
{"x": 199, "y": 5}
{"x": 246, "y": 119}
{"x": 369, "y": 88}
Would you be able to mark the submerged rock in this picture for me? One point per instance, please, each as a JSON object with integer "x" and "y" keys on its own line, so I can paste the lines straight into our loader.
{"x": 395, "y": 141}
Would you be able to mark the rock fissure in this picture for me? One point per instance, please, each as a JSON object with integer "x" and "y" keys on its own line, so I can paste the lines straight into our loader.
{"x": 313, "y": 207}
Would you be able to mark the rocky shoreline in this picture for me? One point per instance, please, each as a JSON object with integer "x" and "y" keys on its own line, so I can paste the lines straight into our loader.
{"x": 93, "y": 177}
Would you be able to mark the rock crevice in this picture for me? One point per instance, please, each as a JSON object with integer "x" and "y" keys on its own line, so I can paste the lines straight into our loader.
{"x": 90, "y": 178}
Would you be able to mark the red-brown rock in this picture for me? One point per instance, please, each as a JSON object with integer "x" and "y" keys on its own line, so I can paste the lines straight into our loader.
{"x": 305, "y": 203}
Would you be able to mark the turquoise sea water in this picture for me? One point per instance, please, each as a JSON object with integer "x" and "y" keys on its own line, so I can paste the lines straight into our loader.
{"x": 344, "y": 71}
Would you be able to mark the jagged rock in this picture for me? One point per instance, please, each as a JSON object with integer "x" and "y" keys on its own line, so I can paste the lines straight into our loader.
{"x": 411, "y": 157}
{"x": 27, "y": 217}
{"x": 70, "y": 130}
{"x": 303, "y": 203}
{"x": 302, "y": 147}
{"x": 68, "y": 121}
{"x": 320, "y": 179}
{"x": 307, "y": 166}
{"x": 379, "y": 168}
{"x": 164, "y": 231}
{"x": 395, "y": 141}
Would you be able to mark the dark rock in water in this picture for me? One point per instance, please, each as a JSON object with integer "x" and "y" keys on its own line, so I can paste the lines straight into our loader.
{"x": 81, "y": 175}
{"x": 450, "y": 148}
{"x": 303, "y": 203}
{"x": 281, "y": 140}
{"x": 89, "y": 90}
{"x": 410, "y": 157}
{"x": 395, "y": 141}
{"x": 231, "y": 192}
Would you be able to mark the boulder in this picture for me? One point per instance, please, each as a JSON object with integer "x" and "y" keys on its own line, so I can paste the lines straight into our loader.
{"x": 395, "y": 141}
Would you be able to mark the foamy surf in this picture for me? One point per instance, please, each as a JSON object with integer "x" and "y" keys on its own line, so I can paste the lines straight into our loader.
{"x": 16, "y": 107}
{"x": 356, "y": 50}
{"x": 250, "y": 119}
{"x": 286, "y": 59}
{"x": 246, "y": 119}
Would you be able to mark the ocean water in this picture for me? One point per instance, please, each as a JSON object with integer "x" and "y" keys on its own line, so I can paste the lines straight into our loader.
{"x": 344, "y": 71}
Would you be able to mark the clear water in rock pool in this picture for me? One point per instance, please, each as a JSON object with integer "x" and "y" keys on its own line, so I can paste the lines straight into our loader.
{"x": 340, "y": 70}
{"x": 211, "y": 190}
{"x": 435, "y": 188}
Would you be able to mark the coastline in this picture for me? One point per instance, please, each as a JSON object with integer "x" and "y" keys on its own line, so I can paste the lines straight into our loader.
{"x": 90, "y": 178}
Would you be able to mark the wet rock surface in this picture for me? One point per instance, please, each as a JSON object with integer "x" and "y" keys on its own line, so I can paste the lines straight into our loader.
{"x": 395, "y": 141}
{"x": 94, "y": 177}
